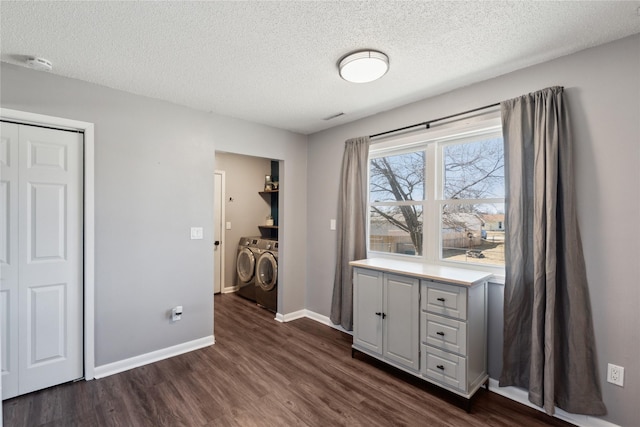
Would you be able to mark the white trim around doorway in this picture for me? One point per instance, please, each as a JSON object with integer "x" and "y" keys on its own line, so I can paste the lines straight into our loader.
{"x": 223, "y": 226}
{"x": 89, "y": 219}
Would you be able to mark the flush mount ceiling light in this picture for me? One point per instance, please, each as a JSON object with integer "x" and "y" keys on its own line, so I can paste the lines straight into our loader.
{"x": 40, "y": 64}
{"x": 364, "y": 66}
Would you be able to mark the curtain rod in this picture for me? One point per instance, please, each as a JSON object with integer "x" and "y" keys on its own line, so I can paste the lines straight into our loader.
{"x": 428, "y": 123}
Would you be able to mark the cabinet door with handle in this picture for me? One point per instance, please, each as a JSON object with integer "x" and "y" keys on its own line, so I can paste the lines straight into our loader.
{"x": 367, "y": 309}
{"x": 401, "y": 319}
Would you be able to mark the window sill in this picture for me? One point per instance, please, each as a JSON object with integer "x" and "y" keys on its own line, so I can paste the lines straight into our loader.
{"x": 497, "y": 279}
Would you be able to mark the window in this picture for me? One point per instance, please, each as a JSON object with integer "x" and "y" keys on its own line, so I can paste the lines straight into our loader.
{"x": 396, "y": 185}
{"x": 439, "y": 197}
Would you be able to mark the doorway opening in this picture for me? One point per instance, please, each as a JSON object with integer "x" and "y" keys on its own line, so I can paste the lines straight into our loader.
{"x": 249, "y": 210}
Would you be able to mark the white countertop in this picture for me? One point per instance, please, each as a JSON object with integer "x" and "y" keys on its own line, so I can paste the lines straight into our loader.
{"x": 460, "y": 276}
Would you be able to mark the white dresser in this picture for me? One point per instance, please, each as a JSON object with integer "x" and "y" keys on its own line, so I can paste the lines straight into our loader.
{"x": 428, "y": 320}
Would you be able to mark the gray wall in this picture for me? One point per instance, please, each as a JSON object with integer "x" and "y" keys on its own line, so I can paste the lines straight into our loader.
{"x": 154, "y": 164}
{"x": 603, "y": 90}
{"x": 244, "y": 177}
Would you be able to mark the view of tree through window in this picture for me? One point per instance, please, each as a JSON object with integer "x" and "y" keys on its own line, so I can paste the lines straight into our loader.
{"x": 396, "y": 183}
{"x": 467, "y": 209}
{"x": 473, "y": 231}
{"x": 474, "y": 170}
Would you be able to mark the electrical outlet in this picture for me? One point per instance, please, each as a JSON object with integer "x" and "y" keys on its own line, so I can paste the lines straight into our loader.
{"x": 615, "y": 374}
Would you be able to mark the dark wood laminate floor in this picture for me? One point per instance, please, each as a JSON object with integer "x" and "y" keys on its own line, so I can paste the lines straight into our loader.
{"x": 263, "y": 373}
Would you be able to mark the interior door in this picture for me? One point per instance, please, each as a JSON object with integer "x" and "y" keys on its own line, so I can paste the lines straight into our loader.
{"x": 9, "y": 140}
{"x": 46, "y": 253}
{"x": 218, "y": 231}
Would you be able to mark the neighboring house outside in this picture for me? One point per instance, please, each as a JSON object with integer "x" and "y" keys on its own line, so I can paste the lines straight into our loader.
{"x": 494, "y": 222}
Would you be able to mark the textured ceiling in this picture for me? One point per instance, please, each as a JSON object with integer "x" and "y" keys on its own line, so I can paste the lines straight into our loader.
{"x": 275, "y": 62}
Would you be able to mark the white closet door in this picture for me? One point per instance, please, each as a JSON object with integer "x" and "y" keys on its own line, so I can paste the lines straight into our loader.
{"x": 49, "y": 260}
{"x": 9, "y": 257}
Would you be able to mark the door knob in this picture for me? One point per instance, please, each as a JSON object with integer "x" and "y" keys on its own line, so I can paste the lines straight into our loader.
{"x": 217, "y": 243}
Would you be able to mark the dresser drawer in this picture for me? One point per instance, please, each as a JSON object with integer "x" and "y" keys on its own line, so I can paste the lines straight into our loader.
{"x": 446, "y": 368}
{"x": 447, "y": 300}
{"x": 443, "y": 332}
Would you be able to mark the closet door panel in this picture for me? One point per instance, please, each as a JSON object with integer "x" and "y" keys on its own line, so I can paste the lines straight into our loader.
{"x": 9, "y": 140}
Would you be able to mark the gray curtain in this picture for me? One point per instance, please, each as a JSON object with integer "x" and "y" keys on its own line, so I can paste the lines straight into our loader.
{"x": 549, "y": 345}
{"x": 352, "y": 225}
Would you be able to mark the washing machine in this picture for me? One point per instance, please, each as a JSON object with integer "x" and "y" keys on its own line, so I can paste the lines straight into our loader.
{"x": 266, "y": 277}
{"x": 246, "y": 261}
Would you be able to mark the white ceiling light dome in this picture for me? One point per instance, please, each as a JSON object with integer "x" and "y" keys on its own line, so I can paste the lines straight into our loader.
{"x": 364, "y": 66}
{"x": 38, "y": 63}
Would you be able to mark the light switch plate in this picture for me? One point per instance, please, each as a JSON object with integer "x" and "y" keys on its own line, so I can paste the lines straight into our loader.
{"x": 197, "y": 233}
{"x": 228, "y": 225}
{"x": 332, "y": 224}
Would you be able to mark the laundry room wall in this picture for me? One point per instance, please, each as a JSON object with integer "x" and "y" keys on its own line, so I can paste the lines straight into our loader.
{"x": 603, "y": 91}
{"x": 154, "y": 166}
{"x": 244, "y": 207}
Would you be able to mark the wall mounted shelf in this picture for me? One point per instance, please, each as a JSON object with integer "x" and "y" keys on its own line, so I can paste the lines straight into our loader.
{"x": 270, "y": 231}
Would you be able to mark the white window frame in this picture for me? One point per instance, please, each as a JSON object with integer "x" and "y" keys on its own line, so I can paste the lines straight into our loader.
{"x": 432, "y": 141}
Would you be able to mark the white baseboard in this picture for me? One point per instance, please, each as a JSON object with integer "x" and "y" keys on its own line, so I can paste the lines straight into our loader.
{"x": 521, "y": 396}
{"x": 229, "y": 290}
{"x": 311, "y": 315}
{"x": 290, "y": 316}
{"x": 154, "y": 356}
{"x": 326, "y": 321}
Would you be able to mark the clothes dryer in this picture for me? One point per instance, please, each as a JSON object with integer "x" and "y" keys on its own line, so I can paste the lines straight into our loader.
{"x": 246, "y": 259}
{"x": 267, "y": 275}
